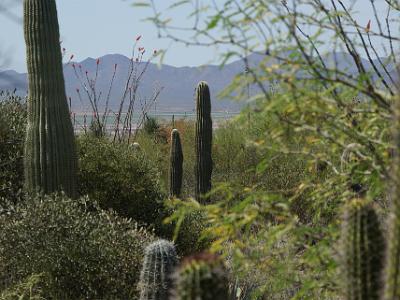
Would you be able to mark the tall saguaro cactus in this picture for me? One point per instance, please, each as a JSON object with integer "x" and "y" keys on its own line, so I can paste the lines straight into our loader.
{"x": 50, "y": 155}
{"x": 204, "y": 164}
{"x": 176, "y": 165}
{"x": 156, "y": 276}
{"x": 363, "y": 250}
{"x": 202, "y": 277}
{"x": 392, "y": 271}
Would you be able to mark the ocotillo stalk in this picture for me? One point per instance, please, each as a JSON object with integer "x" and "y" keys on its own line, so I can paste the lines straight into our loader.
{"x": 201, "y": 277}
{"x": 156, "y": 276}
{"x": 363, "y": 251}
{"x": 50, "y": 155}
{"x": 204, "y": 164}
{"x": 176, "y": 165}
{"x": 392, "y": 271}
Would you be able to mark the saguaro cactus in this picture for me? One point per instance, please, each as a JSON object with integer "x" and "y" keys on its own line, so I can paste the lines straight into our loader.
{"x": 363, "y": 250}
{"x": 204, "y": 164}
{"x": 392, "y": 271}
{"x": 156, "y": 276}
{"x": 50, "y": 155}
{"x": 176, "y": 168}
{"x": 202, "y": 277}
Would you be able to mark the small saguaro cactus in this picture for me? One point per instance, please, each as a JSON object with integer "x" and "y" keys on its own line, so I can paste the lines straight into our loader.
{"x": 159, "y": 265}
{"x": 50, "y": 155}
{"x": 176, "y": 165}
{"x": 204, "y": 163}
{"x": 392, "y": 271}
{"x": 363, "y": 251}
{"x": 201, "y": 277}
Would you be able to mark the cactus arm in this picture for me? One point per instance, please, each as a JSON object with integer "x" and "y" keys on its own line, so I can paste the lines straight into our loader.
{"x": 50, "y": 155}
{"x": 204, "y": 164}
{"x": 176, "y": 164}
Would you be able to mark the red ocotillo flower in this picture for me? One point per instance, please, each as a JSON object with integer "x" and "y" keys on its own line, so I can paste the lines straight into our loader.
{"x": 98, "y": 61}
{"x": 73, "y": 65}
{"x": 138, "y": 38}
{"x": 72, "y": 56}
{"x": 368, "y": 28}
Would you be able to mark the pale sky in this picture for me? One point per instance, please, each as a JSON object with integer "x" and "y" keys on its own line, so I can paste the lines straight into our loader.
{"x": 93, "y": 28}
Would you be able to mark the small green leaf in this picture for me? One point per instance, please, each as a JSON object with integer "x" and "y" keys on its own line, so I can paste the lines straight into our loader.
{"x": 141, "y": 4}
{"x": 214, "y": 22}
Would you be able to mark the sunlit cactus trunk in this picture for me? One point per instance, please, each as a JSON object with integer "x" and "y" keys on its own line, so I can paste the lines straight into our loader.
{"x": 50, "y": 155}
{"x": 156, "y": 277}
{"x": 176, "y": 165}
{"x": 392, "y": 271}
{"x": 204, "y": 164}
{"x": 363, "y": 251}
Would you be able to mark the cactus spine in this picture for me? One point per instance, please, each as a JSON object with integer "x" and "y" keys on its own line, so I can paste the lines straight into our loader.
{"x": 202, "y": 277}
{"x": 50, "y": 155}
{"x": 392, "y": 271}
{"x": 363, "y": 250}
{"x": 159, "y": 264}
{"x": 204, "y": 164}
{"x": 176, "y": 162}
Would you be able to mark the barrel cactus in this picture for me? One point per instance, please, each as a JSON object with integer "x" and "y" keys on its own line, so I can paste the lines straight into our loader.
{"x": 176, "y": 165}
{"x": 204, "y": 164}
{"x": 50, "y": 155}
{"x": 363, "y": 251}
{"x": 135, "y": 146}
{"x": 156, "y": 276}
{"x": 202, "y": 277}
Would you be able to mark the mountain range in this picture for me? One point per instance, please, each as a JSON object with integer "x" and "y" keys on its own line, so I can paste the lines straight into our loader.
{"x": 177, "y": 83}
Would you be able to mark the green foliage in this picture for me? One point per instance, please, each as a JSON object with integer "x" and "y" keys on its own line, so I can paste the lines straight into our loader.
{"x": 12, "y": 135}
{"x": 202, "y": 277}
{"x": 176, "y": 165}
{"x": 156, "y": 277}
{"x": 235, "y": 156}
{"x": 29, "y": 289}
{"x": 151, "y": 125}
{"x": 363, "y": 250}
{"x": 119, "y": 178}
{"x": 50, "y": 155}
{"x": 85, "y": 252}
{"x": 204, "y": 163}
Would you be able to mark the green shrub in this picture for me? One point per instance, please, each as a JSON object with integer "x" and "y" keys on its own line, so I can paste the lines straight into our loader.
{"x": 85, "y": 252}
{"x": 121, "y": 179}
{"x": 151, "y": 125}
{"x": 30, "y": 288}
{"x": 12, "y": 135}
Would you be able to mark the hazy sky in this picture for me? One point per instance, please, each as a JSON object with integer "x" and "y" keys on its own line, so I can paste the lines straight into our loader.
{"x": 92, "y": 28}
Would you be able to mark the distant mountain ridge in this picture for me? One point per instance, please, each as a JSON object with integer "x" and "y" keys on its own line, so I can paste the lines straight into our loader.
{"x": 178, "y": 82}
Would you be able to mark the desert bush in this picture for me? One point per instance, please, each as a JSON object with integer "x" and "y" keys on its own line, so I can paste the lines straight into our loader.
{"x": 12, "y": 135}
{"x": 30, "y": 288}
{"x": 234, "y": 154}
{"x": 157, "y": 151}
{"x": 85, "y": 252}
{"x": 121, "y": 179}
